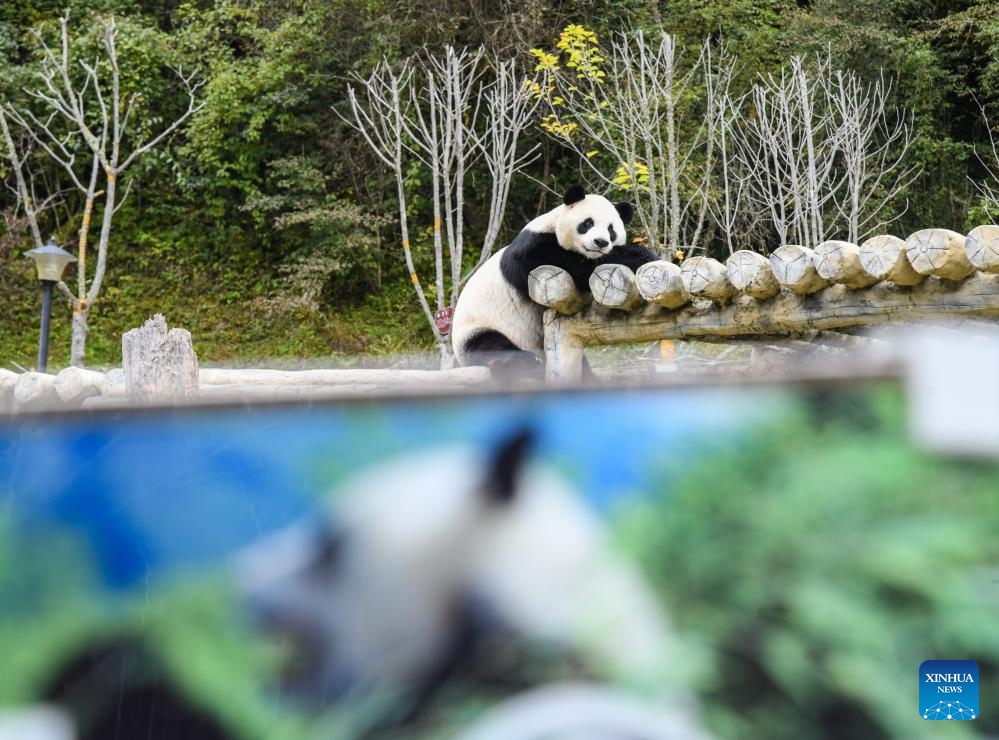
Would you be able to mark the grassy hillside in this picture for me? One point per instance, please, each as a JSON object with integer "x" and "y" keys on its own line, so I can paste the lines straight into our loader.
{"x": 232, "y": 314}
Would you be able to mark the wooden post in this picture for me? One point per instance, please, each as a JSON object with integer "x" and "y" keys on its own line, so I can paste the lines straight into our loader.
{"x": 563, "y": 351}
{"x": 839, "y": 262}
{"x": 939, "y": 252}
{"x": 660, "y": 282}
{"x": 553, "y": 287}
{"x": 983, "y": 248}
{"x": 705, "y": 277}
{"x": 884, "y": 257}
{"x": 750, "y": 272}
{"x": 159, "y": 365}
{"x": 614, "y": 286}
{"x": 794, "y": 268}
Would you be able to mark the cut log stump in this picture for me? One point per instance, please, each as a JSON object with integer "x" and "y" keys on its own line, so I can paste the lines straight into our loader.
{"x": 159, "y": 365}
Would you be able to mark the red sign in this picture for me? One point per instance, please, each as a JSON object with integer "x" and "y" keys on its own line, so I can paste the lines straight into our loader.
{"x": 443, "y": 319}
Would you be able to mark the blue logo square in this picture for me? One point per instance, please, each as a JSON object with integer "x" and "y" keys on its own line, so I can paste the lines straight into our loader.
{"x": 948, "y": 689}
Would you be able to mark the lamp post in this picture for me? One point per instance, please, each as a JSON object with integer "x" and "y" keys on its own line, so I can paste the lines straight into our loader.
{"x": 50, "y": 261}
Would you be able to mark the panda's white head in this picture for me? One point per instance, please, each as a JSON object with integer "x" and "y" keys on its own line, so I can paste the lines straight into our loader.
{"x": 431, "y": 552}
{"x": 590, "y": 224}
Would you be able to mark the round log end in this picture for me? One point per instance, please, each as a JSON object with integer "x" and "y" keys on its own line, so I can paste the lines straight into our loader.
{"x": 705, "y": 277}
{"x": 660, "y": 282}
{"x": 794, "y": 267}
{"x": 982, "y": 246}
{"x": 939, "y": 252}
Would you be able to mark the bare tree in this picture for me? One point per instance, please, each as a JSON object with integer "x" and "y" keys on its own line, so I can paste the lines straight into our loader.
{"x": 85, "y": 127}
{"x": 789, "y": 146}
{"x": 639, "y": 116}
{"x": 988, "y": 188}
{"x": 447, "y": 114}
{"x": 823, "y": 148}
{"x": 738, "y": 223}
{"x": 873, "y": 140}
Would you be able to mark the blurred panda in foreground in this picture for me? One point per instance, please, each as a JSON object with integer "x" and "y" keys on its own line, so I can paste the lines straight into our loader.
{"x": 451, "y": 567}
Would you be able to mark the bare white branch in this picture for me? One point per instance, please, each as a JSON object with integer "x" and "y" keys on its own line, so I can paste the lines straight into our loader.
{"x": 446, "y": 113}
{"x": 84, "y": 111}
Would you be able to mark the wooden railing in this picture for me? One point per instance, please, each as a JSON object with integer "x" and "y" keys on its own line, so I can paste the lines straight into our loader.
{"x": 934, "y": 274}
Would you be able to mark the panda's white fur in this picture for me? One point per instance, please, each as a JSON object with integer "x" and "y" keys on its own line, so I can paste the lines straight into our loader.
{"x": 495, "y": 317}
{"x": 424, "y": 533}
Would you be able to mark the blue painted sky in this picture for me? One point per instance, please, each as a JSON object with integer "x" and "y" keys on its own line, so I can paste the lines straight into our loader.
{"x": 153, "y": 491}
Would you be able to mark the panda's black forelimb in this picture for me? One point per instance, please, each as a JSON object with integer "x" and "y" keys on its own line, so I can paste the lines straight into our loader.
{"x": 530, "y": 250}
{"x": 476, "y": 630}
{"x": 117, "y": 687}
{"x": 503, "y": 470}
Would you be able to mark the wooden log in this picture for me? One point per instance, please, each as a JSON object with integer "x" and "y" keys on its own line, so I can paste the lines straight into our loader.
{"x": 159, "y": 365}
{"x": 459, "y": 376}
{"x": 704, "y": 277}
{"x": 939, "y": 252}
{"x": 7, "y": 380}
{"x": 74, "y": 384}
{"x": 839, "y": 262}
{"x": 794, "y": 268}
{"x": 834, "y": 309}
{"x": 614, "y": 286}
{"x": 553, "y": 287}
{"x": 884, "y": 257}
{"x": 660, "y": 282}
{"x": 36, "y": 392}
{"x": 750, "y": 272}
{"x": 983, "y": 248}
{"x": 114, "y": 384}
{"x": 279, "y": 392}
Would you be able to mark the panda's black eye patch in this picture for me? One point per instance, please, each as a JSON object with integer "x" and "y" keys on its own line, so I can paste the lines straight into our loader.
{"x": 611, "y": 233}
{"x": 585, "y": 226}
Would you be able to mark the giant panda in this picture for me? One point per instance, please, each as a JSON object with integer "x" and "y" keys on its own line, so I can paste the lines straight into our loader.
{"x": 431, "y": 556}
{"x": 495, "y": 321}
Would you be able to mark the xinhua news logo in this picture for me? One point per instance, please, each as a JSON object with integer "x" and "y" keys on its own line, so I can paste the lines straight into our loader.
{"x": 948, "y": 689}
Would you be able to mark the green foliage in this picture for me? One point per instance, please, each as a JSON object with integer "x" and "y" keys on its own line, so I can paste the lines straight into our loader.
{"x": 818, "y": 575}
{"x": 340, "y": 251}
{"x": 268, "y": 174}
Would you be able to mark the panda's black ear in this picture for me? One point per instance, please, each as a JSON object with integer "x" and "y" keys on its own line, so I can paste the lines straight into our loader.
{"x": 505, "y": 466}
{"x": 625, "y": 210}
{"x": 574, "y": 194}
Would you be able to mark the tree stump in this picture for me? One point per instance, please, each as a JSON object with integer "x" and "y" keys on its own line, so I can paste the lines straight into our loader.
{"x": 983, "y": 248}
{"x": 660, "y": 282}
{"x": 839, "y": 262}
{"x": 159, "y": 365}
{"x": 614, "y": 286}
{"x": 884, "y": 257}
{"x": 553, "y": 287}
{"x": 705, "y": 277}
{"x": 939, "y": 252}
{"x": 750, "y": 272}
